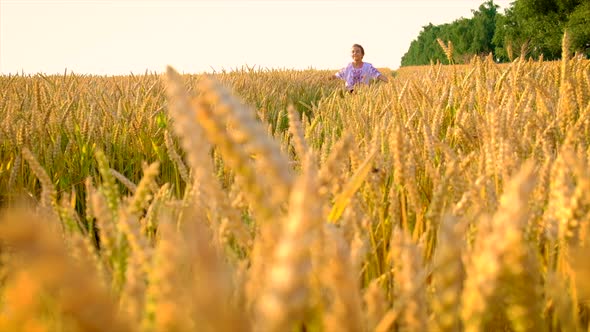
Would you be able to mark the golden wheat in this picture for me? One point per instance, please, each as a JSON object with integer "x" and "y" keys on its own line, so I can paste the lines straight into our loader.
{"x": 450, "y": 199}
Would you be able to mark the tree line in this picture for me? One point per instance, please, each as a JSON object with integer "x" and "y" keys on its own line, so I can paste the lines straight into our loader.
{"x": 530, "y": 27}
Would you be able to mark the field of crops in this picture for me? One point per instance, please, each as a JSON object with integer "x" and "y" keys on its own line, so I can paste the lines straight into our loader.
{"x": 453, "y": 198}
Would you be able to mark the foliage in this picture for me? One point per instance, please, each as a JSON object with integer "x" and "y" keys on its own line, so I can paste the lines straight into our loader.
{"x": 470, "y": 36}
{"x": 527, "y": 28}
{"x": 534, "y": 27}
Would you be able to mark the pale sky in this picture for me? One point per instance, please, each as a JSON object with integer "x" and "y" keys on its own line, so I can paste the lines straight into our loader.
{"x": 108, "y": 37}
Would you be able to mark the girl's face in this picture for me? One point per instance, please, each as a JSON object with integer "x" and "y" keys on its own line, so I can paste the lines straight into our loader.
{"x": 357, "y": 54}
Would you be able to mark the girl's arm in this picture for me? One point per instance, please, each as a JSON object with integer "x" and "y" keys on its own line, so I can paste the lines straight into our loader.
{"x": 376, "y": 74}
{"x": 382, "y": 77}
{"x": 341, "y": 74}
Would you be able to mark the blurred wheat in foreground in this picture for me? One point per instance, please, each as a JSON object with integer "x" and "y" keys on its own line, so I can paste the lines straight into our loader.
{"x": 454, "y": 198}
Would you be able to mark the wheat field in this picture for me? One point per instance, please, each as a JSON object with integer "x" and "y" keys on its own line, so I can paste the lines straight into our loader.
{"x": 453, "y": 198}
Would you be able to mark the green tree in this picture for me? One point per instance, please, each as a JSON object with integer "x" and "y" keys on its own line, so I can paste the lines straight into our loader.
{"x": 424, "y": 48}
{"x": 469, "y": 36}
{"x": 529, "y": 27}
{"x": 536, "y": 27}
{"x": 483, "y": 26}
{"x": 578, "y": 27}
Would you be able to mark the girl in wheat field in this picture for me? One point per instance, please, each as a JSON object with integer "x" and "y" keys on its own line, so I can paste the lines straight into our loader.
{"x": 358, "y": 72}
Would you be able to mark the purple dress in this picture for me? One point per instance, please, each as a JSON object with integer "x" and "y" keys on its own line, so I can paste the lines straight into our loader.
{"x": 354, "y": 76}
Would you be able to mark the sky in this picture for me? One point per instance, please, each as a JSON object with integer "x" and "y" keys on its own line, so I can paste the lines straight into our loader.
{"x": 118, "y": 37}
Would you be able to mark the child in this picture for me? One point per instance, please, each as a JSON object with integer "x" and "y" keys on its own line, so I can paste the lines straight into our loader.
{"x": 358, "y": 71}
